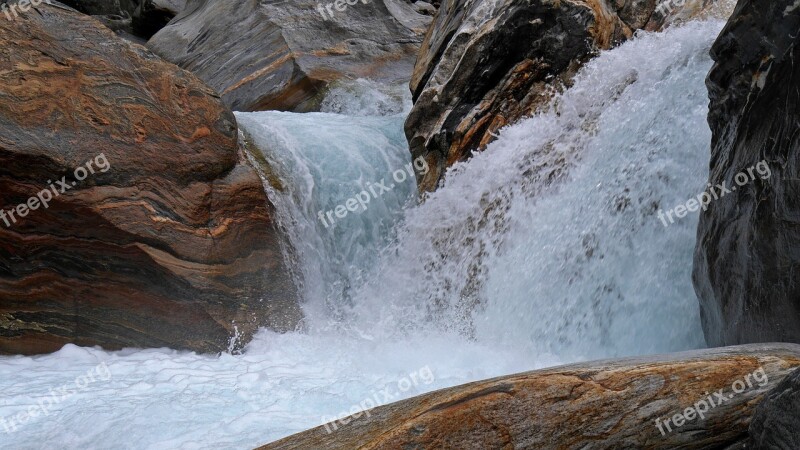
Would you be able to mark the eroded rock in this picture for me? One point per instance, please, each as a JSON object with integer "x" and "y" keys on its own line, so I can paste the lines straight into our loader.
{"x": 277, "y": 55}
{"x": 600, "y": 405}
{"x": 173, "y": 245}
{"x": 748, "y": 246}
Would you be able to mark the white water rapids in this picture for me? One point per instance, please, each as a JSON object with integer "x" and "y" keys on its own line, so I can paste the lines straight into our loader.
{"x": 544, "y": 249}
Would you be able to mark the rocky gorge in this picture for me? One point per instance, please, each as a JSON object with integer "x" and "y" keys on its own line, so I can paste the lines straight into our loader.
{"x": 191, "y": 260}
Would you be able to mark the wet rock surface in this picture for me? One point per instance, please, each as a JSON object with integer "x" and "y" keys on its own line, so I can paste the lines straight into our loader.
{"x": 748, "y": 243}
{"x": 169, "y": 244}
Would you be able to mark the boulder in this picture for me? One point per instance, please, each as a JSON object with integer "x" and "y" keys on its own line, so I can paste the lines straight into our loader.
{"x": 776, "y": 422}
{"x": 747, "y": 259}
{"x": 613, "y": 404}
{"x": 129, "y": 215}
{"x": 484, "y": 65}
{"x": 279, "y": 55}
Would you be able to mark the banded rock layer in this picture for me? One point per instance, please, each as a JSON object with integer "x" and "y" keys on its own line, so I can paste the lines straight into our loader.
{"x": 171, "y": 245}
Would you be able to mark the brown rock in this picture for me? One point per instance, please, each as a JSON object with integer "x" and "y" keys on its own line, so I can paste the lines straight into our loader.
{"x": 598, "y": 405}
{"x": 481, "y": 68}
{"x": 172, "y": 245}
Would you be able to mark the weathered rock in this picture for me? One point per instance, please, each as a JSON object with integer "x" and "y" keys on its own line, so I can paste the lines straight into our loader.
{"x": 279, "y": 55}
{"x": 172, "y": 245}
{"x": 747, "y": 259}
{"x": 484, "y": 65}
{"x": 776, "y": 423}
{"x": 599, "y": 405}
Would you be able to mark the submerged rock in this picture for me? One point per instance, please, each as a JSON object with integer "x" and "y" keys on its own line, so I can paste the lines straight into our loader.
{"x": 277, "y": 55}
{"x": 484, "y": 65}
{"x": 748, "y": 245}
{"x": 657, "y": 402}
{"x": 129, "y": 217}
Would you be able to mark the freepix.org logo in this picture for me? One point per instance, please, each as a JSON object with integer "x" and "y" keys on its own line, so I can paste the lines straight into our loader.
{"x": 12, "y": 11}
{"x": 339, "y": 5}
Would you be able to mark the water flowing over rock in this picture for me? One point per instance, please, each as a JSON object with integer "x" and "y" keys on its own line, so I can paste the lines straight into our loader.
{"x": 280, "y": 55}
{"x": 603, "y": 405}
{"x": 171, "y": 243}
{"x": 748, "y": 252}
{"x": 484, "y": 65}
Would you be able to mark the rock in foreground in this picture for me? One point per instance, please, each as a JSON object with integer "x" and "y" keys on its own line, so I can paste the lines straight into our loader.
{"x": 129, "y": 217}
{"x": 601, "y": 405}
{"x": 747, "y": 259}
{"x": 281, "y": 55}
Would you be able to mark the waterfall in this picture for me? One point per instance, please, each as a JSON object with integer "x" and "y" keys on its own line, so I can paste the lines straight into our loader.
{"x": 548, "y": 241}
{"x": 547, "y": 248}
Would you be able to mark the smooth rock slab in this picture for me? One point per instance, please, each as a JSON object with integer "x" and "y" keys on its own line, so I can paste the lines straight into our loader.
{"x": 596, "y": 405}
{"x": 172, "y": 246}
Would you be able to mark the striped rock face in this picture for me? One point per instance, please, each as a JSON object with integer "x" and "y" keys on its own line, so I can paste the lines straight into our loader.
{"x": 129, "y": 216}
{"x": 281, "y": 55}
{"x": 691, "y": 400}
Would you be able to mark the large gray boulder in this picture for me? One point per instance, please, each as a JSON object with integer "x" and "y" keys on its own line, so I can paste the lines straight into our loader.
{"x": 747, "y": 260}
{"x": 263, "y": 55}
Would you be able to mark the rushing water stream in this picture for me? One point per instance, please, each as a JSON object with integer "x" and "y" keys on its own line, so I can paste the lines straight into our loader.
{"x": 544, "y": 249}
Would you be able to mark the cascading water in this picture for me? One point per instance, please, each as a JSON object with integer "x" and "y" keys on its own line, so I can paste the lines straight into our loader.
{"x": 544, "y": 249}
